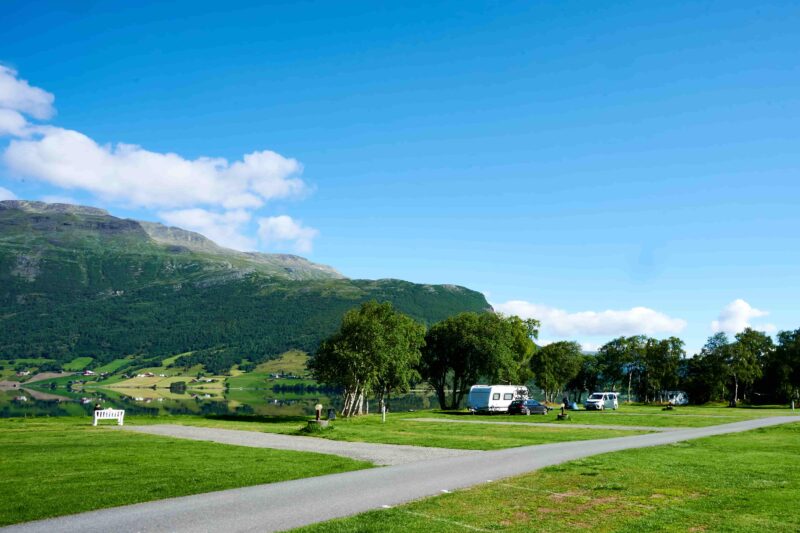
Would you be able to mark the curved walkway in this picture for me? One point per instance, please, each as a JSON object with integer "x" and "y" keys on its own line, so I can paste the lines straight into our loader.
{"x": 545, "y": 424}
{"x": 379, "y": 454}
{"x": 290, "y": 504}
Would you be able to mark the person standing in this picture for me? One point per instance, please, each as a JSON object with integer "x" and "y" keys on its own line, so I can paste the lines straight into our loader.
{"x": 318, "y": 410}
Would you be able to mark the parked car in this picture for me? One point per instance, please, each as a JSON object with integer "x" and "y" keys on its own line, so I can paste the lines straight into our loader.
{"x": 527, "y": 407}
{"x": 601, "y": 400}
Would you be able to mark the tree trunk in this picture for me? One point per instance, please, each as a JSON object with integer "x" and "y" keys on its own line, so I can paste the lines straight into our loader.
{"x": 630, "y": 377}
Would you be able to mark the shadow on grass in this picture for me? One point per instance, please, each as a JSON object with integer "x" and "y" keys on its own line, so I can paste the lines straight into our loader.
{"x": 259, "y": 419}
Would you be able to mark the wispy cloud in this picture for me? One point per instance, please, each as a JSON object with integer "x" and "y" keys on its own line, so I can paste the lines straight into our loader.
{"x": 5, "y": 194}
{"x": 561, "y": 323}
{"x": 279, "y": 231}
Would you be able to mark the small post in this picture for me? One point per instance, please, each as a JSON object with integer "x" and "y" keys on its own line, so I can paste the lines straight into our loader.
{"x": 383, "y": 412}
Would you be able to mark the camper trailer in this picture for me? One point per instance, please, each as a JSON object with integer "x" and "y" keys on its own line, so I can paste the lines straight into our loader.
{"x": 494, "y": 398}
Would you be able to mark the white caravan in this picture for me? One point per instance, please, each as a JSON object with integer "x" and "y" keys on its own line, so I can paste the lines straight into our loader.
{"x": 601, "y": 401}
{"x": 494, "y": 398}
{"x": 677, "y": 397}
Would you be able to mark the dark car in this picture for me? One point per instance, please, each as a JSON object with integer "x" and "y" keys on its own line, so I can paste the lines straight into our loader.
{"x": 526, "y": 407}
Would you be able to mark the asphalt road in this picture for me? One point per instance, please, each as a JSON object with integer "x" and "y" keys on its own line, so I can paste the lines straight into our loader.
{"x": 289, "y": 504}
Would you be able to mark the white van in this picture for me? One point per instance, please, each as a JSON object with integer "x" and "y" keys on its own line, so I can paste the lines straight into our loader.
{"x": 677, "y": 397}
{"x": 601, "y": 400}
{"x": 494, "y": 398}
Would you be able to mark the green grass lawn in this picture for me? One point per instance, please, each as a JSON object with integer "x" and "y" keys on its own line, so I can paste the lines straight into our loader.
{"x": 634, "y": 415}
{"x": 399, "y": 430}
{"x": 57, "y": 466}
{"x": 739, "y": 483}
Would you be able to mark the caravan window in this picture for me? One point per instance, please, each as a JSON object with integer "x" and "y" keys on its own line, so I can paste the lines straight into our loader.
{"x": 496, "y": 396}
{"x": 508, "y": 396}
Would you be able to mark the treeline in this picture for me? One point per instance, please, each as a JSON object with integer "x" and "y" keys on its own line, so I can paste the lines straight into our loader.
{"x": 379, "y": 351}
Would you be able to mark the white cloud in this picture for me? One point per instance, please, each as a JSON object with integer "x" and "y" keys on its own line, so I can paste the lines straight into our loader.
{"x": 134, "y": 176}
{"x": 18, "y": 95}
{"x": 736, "y": 316}
{"x": 223, "y": 228}
{"x": 281, "y": 230}
{"x": 12, "y": 123}
{"x": 5, "y": 194}
{"x": 557, "y": 322}
{"x": 211, "y": 195}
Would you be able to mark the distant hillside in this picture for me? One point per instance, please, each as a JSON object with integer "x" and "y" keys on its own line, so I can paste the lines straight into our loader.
{"x": 76, "y": 281}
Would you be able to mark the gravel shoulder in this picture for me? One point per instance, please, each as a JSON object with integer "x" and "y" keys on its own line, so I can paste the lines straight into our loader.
{"x": 379, "y": 454}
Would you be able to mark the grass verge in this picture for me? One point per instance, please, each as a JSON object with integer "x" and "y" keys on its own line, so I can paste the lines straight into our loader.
{"x": 739, "y": 482}
{"x": 57, "y": 466}
{"x": 398, "y": 430}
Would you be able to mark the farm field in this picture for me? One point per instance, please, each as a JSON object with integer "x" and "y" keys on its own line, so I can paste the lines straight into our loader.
{"x": 744, "y": 482}
{"x": 57, "y": 466}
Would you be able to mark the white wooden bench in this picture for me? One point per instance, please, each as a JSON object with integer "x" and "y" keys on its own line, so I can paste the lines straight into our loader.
{"x": 109, "y": 414}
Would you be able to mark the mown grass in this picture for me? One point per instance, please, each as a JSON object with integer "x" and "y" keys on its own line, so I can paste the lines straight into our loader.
{"x": 57, "y": 466}
{"x": 739, "y": 482}
{"x": 399, "y": 430}
{"x": 633, "y": 415}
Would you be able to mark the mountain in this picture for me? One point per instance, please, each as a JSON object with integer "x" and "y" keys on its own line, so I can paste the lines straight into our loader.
{"x": 76, "y": 281}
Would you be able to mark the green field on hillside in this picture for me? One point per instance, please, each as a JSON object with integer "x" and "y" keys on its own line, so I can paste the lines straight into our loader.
{"x": 56, "y": 466}
{"x": 744, "y": 482}
{"x": 77, "y": 364}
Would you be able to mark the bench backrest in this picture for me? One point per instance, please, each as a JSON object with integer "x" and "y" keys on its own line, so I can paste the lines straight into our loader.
{"x": 109, "y": 413}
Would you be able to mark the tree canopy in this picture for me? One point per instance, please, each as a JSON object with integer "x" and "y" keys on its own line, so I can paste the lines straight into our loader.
{"x": 376, "y": 350}
{"x": 462, "y": 349}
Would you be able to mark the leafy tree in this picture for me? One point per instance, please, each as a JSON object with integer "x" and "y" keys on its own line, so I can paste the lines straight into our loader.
{"x": 621, "y": 359}
{"x": 556, "y": 364}
{"x": 464, "y": 348}
{"x": 587, "y": 379}
{"x": 745, "y": 358}
{"x": 375, "y": 350}
{"x": 782, "y": 365}
{"x": 659, "y": 367}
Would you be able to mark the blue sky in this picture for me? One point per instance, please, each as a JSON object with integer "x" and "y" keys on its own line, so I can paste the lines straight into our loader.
{"x": 608, "y": 167}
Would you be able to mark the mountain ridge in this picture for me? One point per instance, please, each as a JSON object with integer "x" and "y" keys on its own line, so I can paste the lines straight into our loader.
{"x": 76, "y": 281}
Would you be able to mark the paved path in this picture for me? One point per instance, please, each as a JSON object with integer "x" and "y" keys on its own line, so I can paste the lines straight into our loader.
{"x": 379, "y": 454}
{"x": 544, "y": 424}
{"x": 280, "y": 506}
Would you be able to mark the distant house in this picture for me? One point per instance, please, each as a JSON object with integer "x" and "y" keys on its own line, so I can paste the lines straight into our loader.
{"x": 22, "y": 373}
{"x": 88, "y": 373}
{"x": 21, "y": 399}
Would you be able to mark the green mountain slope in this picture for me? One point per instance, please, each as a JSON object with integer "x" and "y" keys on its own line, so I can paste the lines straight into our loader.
{"x": 75, "y": 281}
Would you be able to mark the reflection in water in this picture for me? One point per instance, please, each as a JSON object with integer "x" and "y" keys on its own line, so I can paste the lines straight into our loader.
{"x": 151, "y": 402}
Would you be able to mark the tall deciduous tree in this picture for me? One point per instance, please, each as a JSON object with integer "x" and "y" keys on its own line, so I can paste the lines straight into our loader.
{"x": 554, "y": 365}
{"x": 466, "y": 347}
{"x": 376, "y": 349}
{"x": 744, "y": 359}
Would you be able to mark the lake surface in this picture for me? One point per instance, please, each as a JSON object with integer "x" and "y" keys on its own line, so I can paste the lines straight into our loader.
{"x": 153, "y": 402}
